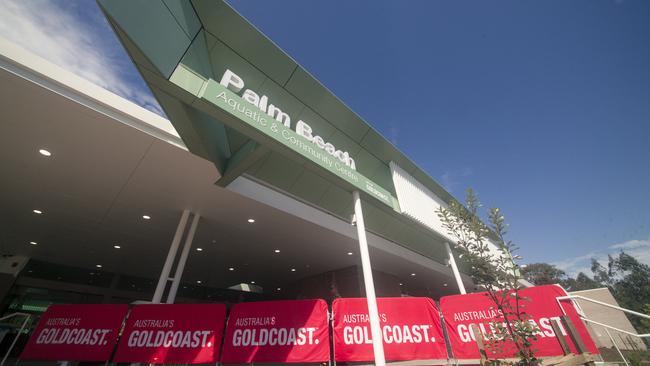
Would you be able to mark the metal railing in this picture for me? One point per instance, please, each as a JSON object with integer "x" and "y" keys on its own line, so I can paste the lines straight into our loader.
{"x": 20, "y": 331}
{"x": 584, "y": 317}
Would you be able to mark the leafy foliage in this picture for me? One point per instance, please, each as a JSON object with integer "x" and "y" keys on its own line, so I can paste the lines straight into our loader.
{"x": 581, "y": 282}
{"x": 542, "y": 274}
{"x": 627, "y": 279}
{"x": 495, "y": 270}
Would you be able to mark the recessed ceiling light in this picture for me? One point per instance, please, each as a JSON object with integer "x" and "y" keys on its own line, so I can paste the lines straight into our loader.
{"x": 98, "y": 266}
{"x": 413, "y": 274}
{"x": 253, "y": 282}
{"x": 117, "y": 246}
{"x": 278, "y": 288}
{"x": 293, "y": 269}
{"x": 38, "y": 212}
{"x": 33, "y": 243}
{"x": 146, "y": 217}
{"x": 350, "y": 253}
{"x": 199, "y": 249}
{"x": 231, "y": 269}
{"x": 401, "y": 284}
{"x": 277, "y": 250}
{"x": 92, "y": 273}
{"x": 251, "y": 221}
{"x": 445, "y": 285}
{"x": 199, "y": 282}
{"x": 44, "y": 152}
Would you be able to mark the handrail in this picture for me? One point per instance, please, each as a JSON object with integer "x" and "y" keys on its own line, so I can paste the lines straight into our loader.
{"x": 584, "y": 317}
{"x": 617, "y": 329}
{"x": 22, "y": 327}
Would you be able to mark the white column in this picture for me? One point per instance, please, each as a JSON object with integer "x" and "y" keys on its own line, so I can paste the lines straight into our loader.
{"x": 454, "y": 268}
{"x": 164, "y": 274}
{"x": 171, "y": 297}
{"x": 375, "y": 330}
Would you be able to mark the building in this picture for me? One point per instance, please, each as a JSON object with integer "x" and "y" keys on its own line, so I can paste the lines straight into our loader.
{"x": 255, "y": 188}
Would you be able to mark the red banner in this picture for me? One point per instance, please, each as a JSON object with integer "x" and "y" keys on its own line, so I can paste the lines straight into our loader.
{"x": 174, "y": 333}
{"x": 460, "y": 311}
{"x": 410, "y": 329}
{"x": 76, "y": 333}
{"x": 277, "y": 331}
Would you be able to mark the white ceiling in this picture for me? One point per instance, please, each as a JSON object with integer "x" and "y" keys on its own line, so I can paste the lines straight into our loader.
{"x": 104, "y": 175}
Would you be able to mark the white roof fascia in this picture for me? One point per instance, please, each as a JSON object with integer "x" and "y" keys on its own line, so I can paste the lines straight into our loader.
{"x": 29, "y": 66}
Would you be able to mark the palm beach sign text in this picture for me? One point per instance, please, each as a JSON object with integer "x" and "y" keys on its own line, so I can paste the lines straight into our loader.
{"x": 235, "y": 83}
{"x": 267, "y": 118}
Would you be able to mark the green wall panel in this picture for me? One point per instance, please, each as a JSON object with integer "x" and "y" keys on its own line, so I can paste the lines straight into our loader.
{"x": 185, "y": 16}
{"x": 237, "y": 139}
{"x": 312, "y": 93}
{"x": 378, "y": 145}
{"x": 383, "y": 177}
{"x": 222, "y": 57}
{"x": 153, "y": 29}
{"x": 307, "y": 88}
{"x": 280, "y": 171}
{"x": 310, "y": 186}
{"x": 382, "y": 223}
{"x": 281, "y": 99}
{"x": 367, "y": 164}
{"x": 338, "y": 202}
{"x": 224, "y": 23}
{"x": 197, "y": 57}
{"x": 320, "y": 126}
{"x": 344, "y": 143}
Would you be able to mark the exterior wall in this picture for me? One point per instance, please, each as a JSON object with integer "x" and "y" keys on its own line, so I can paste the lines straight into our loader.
{"x": 421, "y": 204}
{"x": 607, "y": 316}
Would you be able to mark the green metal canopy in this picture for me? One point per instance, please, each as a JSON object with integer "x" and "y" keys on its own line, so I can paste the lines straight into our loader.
{"x": 183, "y": 50}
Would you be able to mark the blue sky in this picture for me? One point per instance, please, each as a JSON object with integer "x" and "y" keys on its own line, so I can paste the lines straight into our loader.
{"x": 543, "y": 107}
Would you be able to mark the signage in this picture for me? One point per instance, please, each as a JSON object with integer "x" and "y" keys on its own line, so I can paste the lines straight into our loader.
{"x": 172, "y": 333}
{"x": 410, "y": 328}
{"x": 273, "y": 123}
{"x": 277, "y": 331}
{"x": 235, "y": 83}
{"x": 76, "y": 333}
{"x": 461, "y": 311}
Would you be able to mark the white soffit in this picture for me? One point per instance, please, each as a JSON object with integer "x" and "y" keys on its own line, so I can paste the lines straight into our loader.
{"x": 23, "y": 63}
{"x": 417, "y": 201}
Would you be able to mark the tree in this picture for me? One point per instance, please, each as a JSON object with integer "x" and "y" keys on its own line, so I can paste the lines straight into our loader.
{"x": 543, "y": 274}
{"x": 581, "y": 282}
{"x": 645, "y": 323}
{"x": 496, "y": 271}
{"x": 629, "y": 281}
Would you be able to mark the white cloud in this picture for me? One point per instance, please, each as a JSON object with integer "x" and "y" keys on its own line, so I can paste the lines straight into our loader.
{"x": 639, "y": 249}
{"x": 57, "y": 32}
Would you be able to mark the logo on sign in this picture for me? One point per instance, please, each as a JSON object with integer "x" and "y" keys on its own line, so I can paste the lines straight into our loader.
{"x": 72, "y": 334}
{"x": 167, "y": 338}
{"x": 360, "y": 334}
